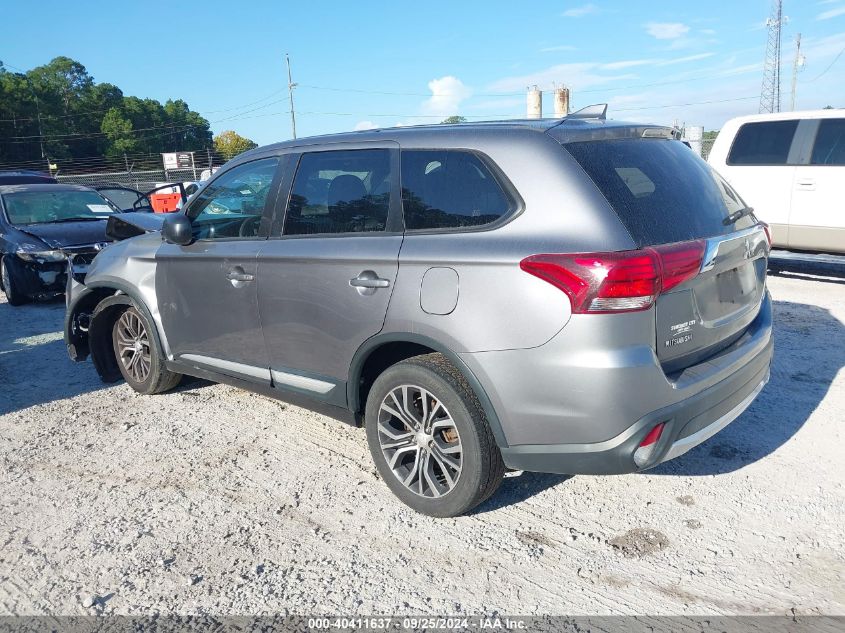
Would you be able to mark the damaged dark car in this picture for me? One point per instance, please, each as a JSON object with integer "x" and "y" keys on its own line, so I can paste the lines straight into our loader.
{"x": 47, "y": 230}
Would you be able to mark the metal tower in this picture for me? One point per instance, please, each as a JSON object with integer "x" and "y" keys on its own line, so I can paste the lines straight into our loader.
{"x": 770, "y": 91}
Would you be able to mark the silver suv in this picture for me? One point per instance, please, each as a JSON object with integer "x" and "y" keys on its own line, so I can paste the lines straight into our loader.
{"x": 576, "y": 296}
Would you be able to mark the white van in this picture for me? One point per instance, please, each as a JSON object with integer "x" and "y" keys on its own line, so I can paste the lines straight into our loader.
{"x": 789, "y": 166}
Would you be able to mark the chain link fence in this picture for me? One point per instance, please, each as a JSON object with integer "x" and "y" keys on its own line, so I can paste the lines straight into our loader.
{"x": 140, "y": 180}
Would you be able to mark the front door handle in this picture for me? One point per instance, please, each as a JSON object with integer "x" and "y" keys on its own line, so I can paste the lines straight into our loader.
{"x": 806, "y": 183}
{"x": 367, "y": 282}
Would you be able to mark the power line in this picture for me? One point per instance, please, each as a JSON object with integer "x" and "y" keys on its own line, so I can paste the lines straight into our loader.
{"x": 836, "y": 59}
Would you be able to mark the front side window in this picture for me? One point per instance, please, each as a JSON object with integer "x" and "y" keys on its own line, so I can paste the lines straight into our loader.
{"x": 345, "y": 191}
{"x": 443, "y": 189}
{"x": 126, "y": 199}
{"x": 232, "y": 205}
{"x": 764, "y": 143}
{"x": 829, "y": 148}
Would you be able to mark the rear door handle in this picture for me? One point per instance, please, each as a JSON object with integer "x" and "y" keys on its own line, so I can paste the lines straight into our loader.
{"x": 368, "y": 281}
{"x": 806, "y": 183}
{"x": 234, "y": 275}
{"x": 358, "y": 282}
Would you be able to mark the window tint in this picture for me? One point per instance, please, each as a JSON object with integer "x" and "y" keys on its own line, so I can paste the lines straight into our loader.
{"x": 829, "y": 148}
{"x": 765, "y": 143}
{"x": 449, "y": 189}
{"x": 232, "y": 205}
{"x": 340, "y": 192}
{"x": 661, "y": 191}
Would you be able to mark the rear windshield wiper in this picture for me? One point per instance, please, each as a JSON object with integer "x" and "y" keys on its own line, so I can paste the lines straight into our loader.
{"x": 736, "y": 216}
{"x": 79, "y": 219}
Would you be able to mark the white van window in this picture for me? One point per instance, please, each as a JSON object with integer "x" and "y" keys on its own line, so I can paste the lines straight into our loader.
{"x": 829, "y": 147}
{"x": 764, "y": 143}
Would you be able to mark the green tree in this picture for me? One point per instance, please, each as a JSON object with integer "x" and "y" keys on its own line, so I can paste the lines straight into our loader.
{"x": 455, "y": 119}
{"x": 118, "y": 130}
{"x": 59, "y": 106}
{"x": 229, "y": 144}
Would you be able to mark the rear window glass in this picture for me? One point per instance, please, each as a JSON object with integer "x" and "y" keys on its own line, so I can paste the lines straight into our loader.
{"x": 340, "y": 192}
{"x": 449, "y": 189}
{"x": 829, "y": 148}
{"x": 661, "y": 190}
{"x": 765, "y": 143}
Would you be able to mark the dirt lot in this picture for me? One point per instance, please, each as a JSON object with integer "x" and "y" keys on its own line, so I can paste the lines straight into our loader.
{"x": 213, "y": 500}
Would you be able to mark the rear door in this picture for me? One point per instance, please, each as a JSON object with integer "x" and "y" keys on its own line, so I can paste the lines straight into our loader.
{"x": 761, "y": 167}
{"x": 326, "y": 274}
{"x": 817, "y": 217}
{"x": 667, "y": 197}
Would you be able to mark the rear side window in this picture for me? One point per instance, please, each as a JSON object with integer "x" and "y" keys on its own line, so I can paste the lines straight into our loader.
{"x": 340, "y": 192}
{"x": 765, "y": 143}
{"x": 447, "y": 189}
{"x": 660, "y": 189}
{"x": 829, "y": 147}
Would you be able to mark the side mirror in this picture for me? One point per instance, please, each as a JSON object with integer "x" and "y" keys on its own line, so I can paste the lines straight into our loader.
{"x": 177, "y": 229}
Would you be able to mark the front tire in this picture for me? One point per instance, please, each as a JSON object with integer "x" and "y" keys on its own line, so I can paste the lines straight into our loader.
{"x": 139, "y": 358}
{"x": 429, "y": 437}
{"x": 10, "y": 283}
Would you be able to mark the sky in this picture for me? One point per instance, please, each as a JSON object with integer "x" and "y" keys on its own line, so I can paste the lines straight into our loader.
{"x": 381, "y": 64}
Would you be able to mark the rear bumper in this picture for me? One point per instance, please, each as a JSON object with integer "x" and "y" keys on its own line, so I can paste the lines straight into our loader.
{"x": 582, "y": 403}
{"x": 688, "y": 424}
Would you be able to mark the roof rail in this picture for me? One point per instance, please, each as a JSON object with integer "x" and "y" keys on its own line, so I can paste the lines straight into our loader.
{"x": 596, "y": 111}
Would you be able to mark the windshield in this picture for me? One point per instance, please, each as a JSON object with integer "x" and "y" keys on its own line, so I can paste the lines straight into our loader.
{"x": 41, "y": 207}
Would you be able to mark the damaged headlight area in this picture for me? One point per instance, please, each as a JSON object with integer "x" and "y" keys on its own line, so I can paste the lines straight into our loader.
{"x": 42, "y": 257}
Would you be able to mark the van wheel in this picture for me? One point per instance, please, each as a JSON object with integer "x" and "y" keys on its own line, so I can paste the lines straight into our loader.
{"x": 8, "y": 275}
{"x": 139, "y": 359}
{"x": 429, "y": 437}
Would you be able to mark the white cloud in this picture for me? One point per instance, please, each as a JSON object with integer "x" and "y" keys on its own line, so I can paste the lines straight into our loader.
{"x": 684, "y": 60}
{"x": 554, "y": 49}
{"x": 630, "y": 63}
{"x": 666, "y": 30}
{"x": 365, "y": 125}
{"x": 832, "y": 13}
{"x": 578, "y": 12}
{"x": 708, "y": 31}
{"x": 447, "y": 93}
{"x": 577, "y": 75}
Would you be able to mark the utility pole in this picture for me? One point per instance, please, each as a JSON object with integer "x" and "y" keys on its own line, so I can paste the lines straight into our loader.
{"x": 291, "y": 86}
{"x": 797, "y": 65}
{"x": 770, "y": 90}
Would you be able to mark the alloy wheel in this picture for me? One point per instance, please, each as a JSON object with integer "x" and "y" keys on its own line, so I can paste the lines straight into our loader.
{"x": 7, "y": 279}
{"x": 420, "y": 441}
{"x": 133, "y": 346}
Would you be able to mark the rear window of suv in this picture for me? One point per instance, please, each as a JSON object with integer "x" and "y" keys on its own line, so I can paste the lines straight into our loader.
{"x": 763, "y": 143}
{"x": 660, "y": 189}
{"x": 450, "y": 189}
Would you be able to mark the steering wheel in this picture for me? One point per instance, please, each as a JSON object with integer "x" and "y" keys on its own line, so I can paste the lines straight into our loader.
{"x": 249, "y": 227}
{"x": 216, "y": 207}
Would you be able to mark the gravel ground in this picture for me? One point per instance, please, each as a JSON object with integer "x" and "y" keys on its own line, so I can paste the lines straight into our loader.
{"x": 214, "y": 500}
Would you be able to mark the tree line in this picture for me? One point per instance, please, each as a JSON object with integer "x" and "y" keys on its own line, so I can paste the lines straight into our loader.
{"x": 57, "y": 112}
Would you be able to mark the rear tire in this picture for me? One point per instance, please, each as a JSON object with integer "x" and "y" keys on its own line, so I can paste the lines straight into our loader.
{"x": 10, "y": 283}
{"x": 139, "y": 358}
{"x": 429, "y": 437}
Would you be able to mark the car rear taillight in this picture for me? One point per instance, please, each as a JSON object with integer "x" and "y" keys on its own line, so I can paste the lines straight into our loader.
{"x": 623, "y": 281}
{"x": 645, "y": 450}
{"x": 768, "y": 231}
